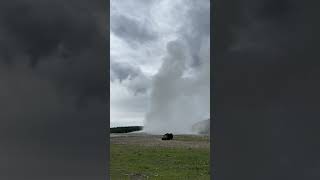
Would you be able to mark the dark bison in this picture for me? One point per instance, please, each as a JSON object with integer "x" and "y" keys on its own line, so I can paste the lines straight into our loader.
{"x": 167, "y": 136}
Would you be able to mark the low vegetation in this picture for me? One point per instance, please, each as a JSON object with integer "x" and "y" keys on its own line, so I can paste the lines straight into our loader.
{"x": 194, "y": 138}
{"x": 137, "y": 161}
{"x": 125, "y": 129}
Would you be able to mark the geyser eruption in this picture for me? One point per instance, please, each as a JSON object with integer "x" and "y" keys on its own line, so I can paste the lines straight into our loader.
{"x": 180, "y": 94}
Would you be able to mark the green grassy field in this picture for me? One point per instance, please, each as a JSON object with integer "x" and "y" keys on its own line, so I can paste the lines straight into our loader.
{"x": 134, "y": 161}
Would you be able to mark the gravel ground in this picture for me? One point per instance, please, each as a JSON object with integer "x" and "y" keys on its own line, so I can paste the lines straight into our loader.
{"x": 185, "y": 141}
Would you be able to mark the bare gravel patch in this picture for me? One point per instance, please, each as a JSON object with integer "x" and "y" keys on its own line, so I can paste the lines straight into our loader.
{"x": 184, "y": 141}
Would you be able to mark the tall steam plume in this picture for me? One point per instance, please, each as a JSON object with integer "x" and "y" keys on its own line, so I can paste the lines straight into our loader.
{"x": 180, "y": 95}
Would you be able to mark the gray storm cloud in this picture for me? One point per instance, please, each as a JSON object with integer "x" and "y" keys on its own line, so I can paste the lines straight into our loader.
{"x": 168, "y": 64}
{"x": 53, "y": 104}
{"x": 130, "y": 77}
{"x": 266, "y": 89}
{"x": 132, "y": 29}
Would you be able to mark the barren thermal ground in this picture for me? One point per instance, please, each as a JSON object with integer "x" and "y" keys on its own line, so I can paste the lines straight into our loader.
{"x": 179, "y": 141}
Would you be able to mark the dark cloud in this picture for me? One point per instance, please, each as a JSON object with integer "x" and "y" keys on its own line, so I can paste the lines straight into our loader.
{"x": 266, "y": 90}
{"x": 198, "y": 28}
{"x": 275, "y": 10}
{"x": 53, "y": 70}
{"x": 140, "y": 44}
{"x": 130, "y": 76}
{"x": 131, "y": 29}
{"x": 122, "y": 71}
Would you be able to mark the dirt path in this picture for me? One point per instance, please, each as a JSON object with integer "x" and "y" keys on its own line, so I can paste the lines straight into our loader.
{"x": 186, "y": 141}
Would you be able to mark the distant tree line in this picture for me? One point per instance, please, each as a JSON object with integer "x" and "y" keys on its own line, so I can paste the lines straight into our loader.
{"x": 126, "y": 129}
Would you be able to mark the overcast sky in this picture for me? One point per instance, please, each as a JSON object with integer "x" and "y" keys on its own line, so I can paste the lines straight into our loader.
{"x": 266, "y": 90}
{"x": 139, "y": 33}
{"x": 53, "y": 89}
